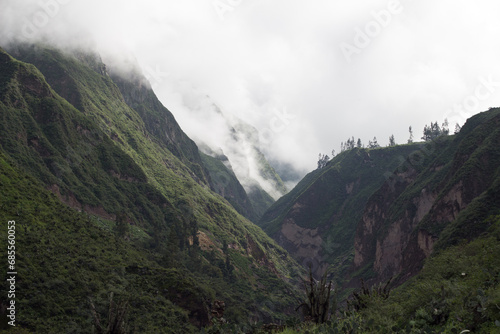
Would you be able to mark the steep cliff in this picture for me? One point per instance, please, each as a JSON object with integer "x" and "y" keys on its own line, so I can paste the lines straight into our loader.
{"x": 379, "y": 213}
{"x": 165, "y": 235}
{"x": 317, "y": 220}
{"x": 441, "y": 195}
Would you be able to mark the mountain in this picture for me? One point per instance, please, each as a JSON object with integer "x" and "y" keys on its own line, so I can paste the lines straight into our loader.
{"x": 226, "y": 184}
{"x": 442, "y": 194}
{"x": 379, "y": 213}
{"x": 110, "y": 196}
{"x": 116, "y": 208}
{"x": 263, "y": 185}
{"x": 316, "y": 221}
{"x": 240, "y": 144}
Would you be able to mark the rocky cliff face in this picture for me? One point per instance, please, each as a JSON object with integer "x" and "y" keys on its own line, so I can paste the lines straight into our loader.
{"x": 316, "y": 221}
{"x": 376, "y": 214}
{"x": 402, "y": 222}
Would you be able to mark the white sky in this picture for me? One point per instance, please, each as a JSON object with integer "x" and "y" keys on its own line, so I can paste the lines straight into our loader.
{"x": 281, "y": 56}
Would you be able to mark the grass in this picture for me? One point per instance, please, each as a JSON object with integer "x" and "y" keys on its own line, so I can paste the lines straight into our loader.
{"x": 106, "y": 160}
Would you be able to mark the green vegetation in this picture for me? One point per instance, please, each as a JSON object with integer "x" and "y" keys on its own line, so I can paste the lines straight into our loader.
{"x": 226, "y": 184}
{"x": 63, "y": 258}
{"x": 316, "y": 308}
{"x": 438, "y": 197}
{"x": 138, "y": 220}
{"x": 458, "y": 290}
{"x": 440, "y": 191}
{"x": 330, "y": 199}
{"x": 111, "y": 198}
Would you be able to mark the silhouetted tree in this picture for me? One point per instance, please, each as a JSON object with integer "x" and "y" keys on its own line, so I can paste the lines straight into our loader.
{"x": 457, "y": 128}
{"x": 444, "y": 128}
{"x": 323, "y": 160}
{"x": 351, "y": 143}
{"x": 316, "y": 308}
{"x": 374, "y": 143}
{"x": 392, "y": 141}
{"x": 359, "y": 144}
{"x": 410, "y": 140}
{"x": 433, "y": 131}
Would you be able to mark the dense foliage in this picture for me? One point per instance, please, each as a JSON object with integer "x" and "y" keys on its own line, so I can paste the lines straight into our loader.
{"x": 121, "y": 222}
{"x": 457, "y": 291}
{"x": 137, "y": 221}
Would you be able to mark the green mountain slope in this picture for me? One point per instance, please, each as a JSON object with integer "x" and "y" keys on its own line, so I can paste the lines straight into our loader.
{"x": 379, "y": 213}
{"x": 436, "y": 200}
{"x": 226, "y": 184}
{"x": 158, "y": 120}
{"x": 457, "y": 291}
{"x": 317, "y": 220}
{"x": 98, "y": 156}
{"x": 65, "y": 257}
{"x": 431, "y": 227}
{"x": 67, "y": 75}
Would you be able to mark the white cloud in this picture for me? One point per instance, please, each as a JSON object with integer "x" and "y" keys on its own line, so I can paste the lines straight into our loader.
{"x": 272, "y": 55}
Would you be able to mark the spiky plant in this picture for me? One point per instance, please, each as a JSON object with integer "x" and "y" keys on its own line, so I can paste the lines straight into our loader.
{"x": 360, "y": 298}
{"x": 318, "y": 299}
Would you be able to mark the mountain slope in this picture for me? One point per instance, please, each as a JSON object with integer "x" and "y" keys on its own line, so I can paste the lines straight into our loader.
{"x": 226, "y": 184}
{"x": 158, "y": 120}
{"x": 316, "y": 221}
{"x": 64, "y": 258}
{"x": 240, "y": 142}
{"x": 379, "y": 213}
{"x": 99, "y": 158}
{"x": 66, "y": 75}
{"x": 436, "y": 200}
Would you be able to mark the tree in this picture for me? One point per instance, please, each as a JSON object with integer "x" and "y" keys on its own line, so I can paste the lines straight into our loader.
{"x": 323, "y": 160}
{"x": 431, "y": 132}
{"x": 410, "y": 140}
{"x": 392, "y": 141}
{"x": 374, "y": 143}
{"x": 351, "y": 143}
{"x": 457, "y": 128}
{"x": 316, "y": 308}
{"x": 444, "y": 128}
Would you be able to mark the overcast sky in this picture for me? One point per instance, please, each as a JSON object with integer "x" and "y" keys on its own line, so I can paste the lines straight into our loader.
{"x": 307, "y": 74}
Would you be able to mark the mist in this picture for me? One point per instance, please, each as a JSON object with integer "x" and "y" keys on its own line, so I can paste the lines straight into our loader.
{"x": 306, "y": 74}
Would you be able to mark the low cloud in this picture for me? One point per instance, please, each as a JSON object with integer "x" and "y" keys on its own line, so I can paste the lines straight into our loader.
{"x": 266, "y": 56}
